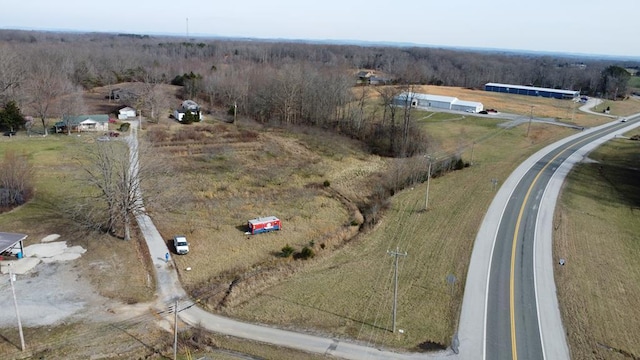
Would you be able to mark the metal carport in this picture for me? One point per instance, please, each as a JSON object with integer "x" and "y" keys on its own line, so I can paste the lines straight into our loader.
{"x": 8, "y": 241}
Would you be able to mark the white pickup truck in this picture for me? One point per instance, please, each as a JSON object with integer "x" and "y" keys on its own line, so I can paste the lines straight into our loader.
{"x": 180, "y": 244}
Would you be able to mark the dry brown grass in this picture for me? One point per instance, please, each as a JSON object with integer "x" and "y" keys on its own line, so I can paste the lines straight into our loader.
{"x": 597, "y": 233}
{"x": 345, "y": 292}
{"x": 228, "y": 174}
{"x": 230, "y": 177}
{"x": 349, "y": 292}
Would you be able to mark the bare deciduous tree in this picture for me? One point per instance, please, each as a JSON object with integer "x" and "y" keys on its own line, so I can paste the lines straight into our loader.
{"x": 44, "y": 86}
{"x": 114, "y": 170}
{"x": 16, "y": 179}
{"x": 11, "y": 73}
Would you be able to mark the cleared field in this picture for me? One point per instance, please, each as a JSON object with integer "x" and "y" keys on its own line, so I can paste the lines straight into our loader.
{"x": 346, "y": 292}
{"x": 349, "y": 293}
{"x": 232, "y": 173}
{"x": 597, "y": 233}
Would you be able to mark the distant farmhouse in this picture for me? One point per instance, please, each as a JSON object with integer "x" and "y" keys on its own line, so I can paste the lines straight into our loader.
{"x": 82, "y": 123}
{"x": 424, "y": 101}
{"x": 532, "y": 91}
{"x": 187, "y": 106}
{"x": 369, "y": 77}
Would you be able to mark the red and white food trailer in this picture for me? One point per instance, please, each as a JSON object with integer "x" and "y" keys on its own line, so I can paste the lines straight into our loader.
{"x": 264, "y": 224}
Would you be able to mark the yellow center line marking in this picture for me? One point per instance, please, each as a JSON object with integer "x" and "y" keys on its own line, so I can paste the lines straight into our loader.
{"x": 514, "y": 352}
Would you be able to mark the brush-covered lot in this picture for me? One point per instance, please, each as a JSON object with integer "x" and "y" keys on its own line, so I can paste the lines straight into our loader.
{"x": 321, "y": 186}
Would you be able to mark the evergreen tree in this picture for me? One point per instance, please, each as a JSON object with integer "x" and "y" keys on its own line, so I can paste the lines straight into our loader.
{"x": 10, "y": 117}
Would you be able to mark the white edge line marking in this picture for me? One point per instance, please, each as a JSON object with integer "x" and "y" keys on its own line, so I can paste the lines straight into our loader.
{"x": 493, "y": 246}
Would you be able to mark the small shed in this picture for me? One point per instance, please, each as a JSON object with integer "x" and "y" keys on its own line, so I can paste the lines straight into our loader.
{"x": 264, "y": 224}
{"x": 126, "y": 112}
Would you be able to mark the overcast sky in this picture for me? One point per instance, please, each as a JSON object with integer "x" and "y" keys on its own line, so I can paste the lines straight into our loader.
{"x": 603, "y": 27}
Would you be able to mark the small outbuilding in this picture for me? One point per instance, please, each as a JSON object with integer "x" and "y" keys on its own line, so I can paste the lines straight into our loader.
{"x": 126, "y": 112}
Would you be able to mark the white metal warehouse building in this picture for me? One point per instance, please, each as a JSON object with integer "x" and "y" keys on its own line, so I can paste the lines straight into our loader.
{"x": 425, "y": 101}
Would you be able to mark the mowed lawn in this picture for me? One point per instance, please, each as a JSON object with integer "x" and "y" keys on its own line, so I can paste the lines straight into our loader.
{"x": 597, "y": 226}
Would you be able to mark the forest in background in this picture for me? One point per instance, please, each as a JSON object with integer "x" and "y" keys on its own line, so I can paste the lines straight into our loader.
{"x": 284, "y": 82}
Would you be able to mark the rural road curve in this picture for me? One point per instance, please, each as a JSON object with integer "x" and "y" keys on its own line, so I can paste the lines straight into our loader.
{"x": 480, "y": 335}
{"x": 472, "y": 323}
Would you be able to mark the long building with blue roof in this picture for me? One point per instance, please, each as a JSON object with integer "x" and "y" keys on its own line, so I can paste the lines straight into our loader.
{"x": 532, "y": 91}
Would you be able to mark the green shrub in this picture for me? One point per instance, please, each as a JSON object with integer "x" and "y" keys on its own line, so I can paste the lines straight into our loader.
{"x": 190, "y": 117}
{"x": 326, "y": 183}
{"x": 307, "y": 253}
{"x": 124, "y": 127}
{"x": 286, "y": 251}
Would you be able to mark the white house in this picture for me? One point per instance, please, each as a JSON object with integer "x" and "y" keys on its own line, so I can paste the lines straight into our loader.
{"x": 83, "y": 123}
{"x": 126, "y": 112}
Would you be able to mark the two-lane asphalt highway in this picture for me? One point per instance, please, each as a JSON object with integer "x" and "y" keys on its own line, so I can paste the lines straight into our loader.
{"x": 512, "y": 313}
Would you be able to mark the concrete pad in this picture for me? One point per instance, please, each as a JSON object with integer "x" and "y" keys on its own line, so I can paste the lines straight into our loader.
{"x": 45, "y": 250}
{"x": 66, "y": 256}
{"x": 50, "y": 238}
{"x": 76, "y": 250}
{"x": 20, "y": 266}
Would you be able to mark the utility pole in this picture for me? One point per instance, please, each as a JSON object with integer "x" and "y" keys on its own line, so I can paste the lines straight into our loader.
{"x": 235, "y": 111}
{"x": 15, "y": 303}
{"x": 426, "y": 202}
{"x": 530, "y": 118}
{"x": 395, "y": 280}
{"x": 175, "y": 331}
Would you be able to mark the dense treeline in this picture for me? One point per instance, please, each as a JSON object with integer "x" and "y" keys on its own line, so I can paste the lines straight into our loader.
{"x": 292, "y": 83}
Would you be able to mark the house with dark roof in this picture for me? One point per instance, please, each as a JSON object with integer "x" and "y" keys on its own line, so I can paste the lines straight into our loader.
{"x": 79, "y": 123}
{"x": 187, "y": 106}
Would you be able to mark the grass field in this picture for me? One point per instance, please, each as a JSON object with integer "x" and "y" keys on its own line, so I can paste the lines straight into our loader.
{"x": 348, "y": 292}
{"x": 597, "y": 233}
{"x": 345, "y": 292}
{"x": 231, "y": 173}
{"x": 55, "y": 169}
